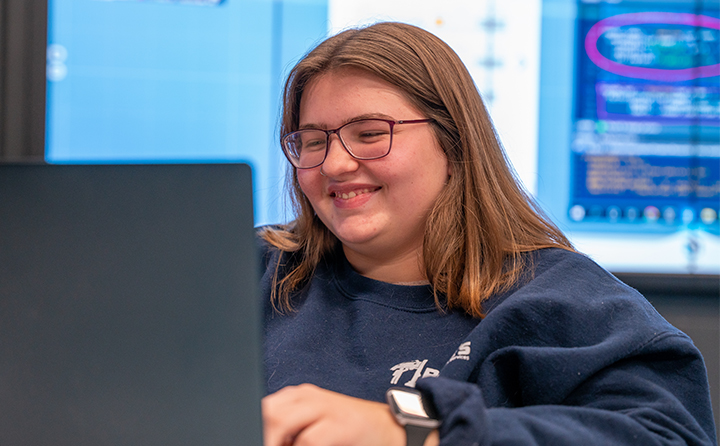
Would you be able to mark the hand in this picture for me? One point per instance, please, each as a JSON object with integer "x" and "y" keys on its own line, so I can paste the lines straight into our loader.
{"x": 307, "y": 415}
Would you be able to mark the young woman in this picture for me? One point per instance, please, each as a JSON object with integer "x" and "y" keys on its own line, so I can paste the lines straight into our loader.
{"x": 417, "y": 263}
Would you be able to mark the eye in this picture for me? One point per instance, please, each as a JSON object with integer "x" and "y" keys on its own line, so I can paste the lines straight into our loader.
{"x": 313, "y": 141}
{"x": 313, "y": 144}
{"x": 373, "y": 133}
{"x": 369, "y": 131}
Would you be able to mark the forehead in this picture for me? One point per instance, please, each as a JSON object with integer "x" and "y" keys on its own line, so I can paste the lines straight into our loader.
{"x": 344, "y": 94}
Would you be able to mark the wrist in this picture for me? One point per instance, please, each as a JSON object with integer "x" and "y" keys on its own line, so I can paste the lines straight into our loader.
{"x": 433, "y": 439}
{"x": 415, "y": 415}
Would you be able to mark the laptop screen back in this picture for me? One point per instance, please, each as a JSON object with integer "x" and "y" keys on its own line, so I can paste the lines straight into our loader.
{"x": 129, "y": 311}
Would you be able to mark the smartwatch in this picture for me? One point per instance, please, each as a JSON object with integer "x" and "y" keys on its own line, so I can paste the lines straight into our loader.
{"x": 413, "y": 413}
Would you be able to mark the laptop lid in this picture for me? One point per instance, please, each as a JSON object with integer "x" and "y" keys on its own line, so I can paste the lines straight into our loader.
{"x": 129, "y": 309}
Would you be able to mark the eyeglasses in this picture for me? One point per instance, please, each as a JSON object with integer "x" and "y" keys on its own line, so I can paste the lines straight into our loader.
{"x": 365, "y": 139}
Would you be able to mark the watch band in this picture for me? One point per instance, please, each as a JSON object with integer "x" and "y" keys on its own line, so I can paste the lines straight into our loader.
{"x": 416, "y": 435}
{"x": 412, "y": 413}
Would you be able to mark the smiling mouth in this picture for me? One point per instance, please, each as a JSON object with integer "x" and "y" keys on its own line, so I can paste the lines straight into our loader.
{"x": 352, "y": 194}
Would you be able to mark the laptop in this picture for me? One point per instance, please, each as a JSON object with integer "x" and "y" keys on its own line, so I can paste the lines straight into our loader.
{"x": 129, "y": 308}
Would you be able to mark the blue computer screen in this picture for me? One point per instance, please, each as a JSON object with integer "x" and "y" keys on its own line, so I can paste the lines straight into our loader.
{"x": 638, "y": 136}
{"x": 647, "y": 116}
{"x": 176, "y": 81}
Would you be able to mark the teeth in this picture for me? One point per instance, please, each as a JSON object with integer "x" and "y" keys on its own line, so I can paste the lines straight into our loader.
{"x": 354, "y": 194}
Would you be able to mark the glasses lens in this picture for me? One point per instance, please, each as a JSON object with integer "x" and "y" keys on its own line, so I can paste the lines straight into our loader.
{"x": 367, "y": 139}
{"x": 306, "y": 148}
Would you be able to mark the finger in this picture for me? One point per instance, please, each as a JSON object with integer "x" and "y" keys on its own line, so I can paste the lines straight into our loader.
{"x": 289, "y": 411}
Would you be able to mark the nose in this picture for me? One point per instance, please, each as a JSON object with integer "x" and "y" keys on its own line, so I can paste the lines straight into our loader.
{"x": 338, "y": 160}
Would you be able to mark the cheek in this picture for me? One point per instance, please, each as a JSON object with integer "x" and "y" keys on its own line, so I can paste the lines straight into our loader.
{"x": 309, "y": 184}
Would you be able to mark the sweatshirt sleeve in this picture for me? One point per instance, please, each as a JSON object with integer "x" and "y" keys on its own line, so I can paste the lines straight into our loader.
{"x": 574, "y": 357}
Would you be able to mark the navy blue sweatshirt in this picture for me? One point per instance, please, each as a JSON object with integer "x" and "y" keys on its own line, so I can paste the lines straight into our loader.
{"x": 569, "y": 356}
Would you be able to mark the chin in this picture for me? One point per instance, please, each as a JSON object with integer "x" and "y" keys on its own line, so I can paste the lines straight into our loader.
{"x": 353, "y": 236}
{"x": 354, "y": 239}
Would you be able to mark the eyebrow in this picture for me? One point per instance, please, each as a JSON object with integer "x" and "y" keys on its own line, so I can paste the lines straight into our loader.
{"x": 354, "y": 118}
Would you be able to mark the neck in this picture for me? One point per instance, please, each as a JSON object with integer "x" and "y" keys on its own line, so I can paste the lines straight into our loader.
{"x": 403, "y": 268}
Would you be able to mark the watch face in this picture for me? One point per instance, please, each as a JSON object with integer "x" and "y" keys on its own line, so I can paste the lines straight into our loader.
{"x": 409, "y": 403}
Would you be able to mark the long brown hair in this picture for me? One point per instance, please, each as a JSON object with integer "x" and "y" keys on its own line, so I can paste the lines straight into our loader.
{"x": 482, "y": 222}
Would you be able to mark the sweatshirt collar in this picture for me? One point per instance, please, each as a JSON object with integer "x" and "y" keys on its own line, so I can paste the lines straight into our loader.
{"x": 357, "y": 287}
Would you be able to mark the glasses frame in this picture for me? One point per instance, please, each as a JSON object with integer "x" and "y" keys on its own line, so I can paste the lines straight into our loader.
{"x": 336, "y": 131}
